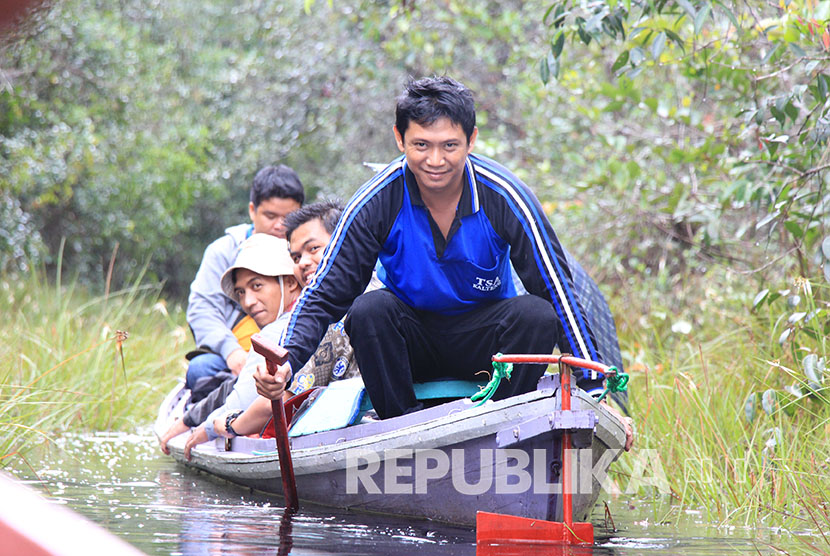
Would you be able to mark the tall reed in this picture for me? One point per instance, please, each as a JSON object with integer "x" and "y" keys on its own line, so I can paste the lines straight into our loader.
{"x": 64, "y": 365}
{"x": 720, "y": 396}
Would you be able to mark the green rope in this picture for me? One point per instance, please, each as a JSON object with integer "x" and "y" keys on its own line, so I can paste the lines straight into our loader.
{"x": 615, "y": 383}
{"x": 500, "y": 371}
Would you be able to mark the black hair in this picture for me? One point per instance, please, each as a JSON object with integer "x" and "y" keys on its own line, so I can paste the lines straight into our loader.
{"x": 425, "y": 100}
{"x": 328, "y": 212}
{"x": 276, "y": 181}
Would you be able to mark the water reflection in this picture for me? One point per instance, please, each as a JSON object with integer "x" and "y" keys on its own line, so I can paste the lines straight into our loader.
{"x": 123, "y": 483}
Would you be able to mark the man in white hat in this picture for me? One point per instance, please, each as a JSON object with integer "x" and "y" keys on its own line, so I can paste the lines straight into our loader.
{"x": 262, "y": 281}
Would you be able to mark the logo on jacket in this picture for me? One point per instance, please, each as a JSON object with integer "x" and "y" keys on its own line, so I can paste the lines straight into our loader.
{"x": 484, "y": 285}
{"x": 340, "y": 367}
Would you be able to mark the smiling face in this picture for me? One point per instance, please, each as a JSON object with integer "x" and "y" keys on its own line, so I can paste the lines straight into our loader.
{"x": 307, "y": 244}
{"x": 436, "y": 154}
{"x": 258, "y": 295}
{"x": 269, "y": 215}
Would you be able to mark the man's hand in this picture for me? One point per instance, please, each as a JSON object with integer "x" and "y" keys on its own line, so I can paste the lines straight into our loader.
{"x": 272, "y": 386}
{"x": 236, "y": 360}
{"x": 627, "y": 422}
{"x": 175, "y": 429}
{"x": 197, "y": 437}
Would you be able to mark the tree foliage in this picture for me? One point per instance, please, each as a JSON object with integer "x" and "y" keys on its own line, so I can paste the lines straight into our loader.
{"x": 662, "y": 135}
{"x": 739, "y": 92}
{"x": 142, "y": 125}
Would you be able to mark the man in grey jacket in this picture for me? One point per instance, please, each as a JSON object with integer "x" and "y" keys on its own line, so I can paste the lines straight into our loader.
{"x": 221, "y": 329}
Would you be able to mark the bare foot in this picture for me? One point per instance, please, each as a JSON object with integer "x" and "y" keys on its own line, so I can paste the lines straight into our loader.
{"x": 175, "y": 430}
{"x": 627, "y": 422}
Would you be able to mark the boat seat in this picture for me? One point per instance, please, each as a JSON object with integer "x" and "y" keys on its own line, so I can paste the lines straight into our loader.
{"x": 438, "y": 389}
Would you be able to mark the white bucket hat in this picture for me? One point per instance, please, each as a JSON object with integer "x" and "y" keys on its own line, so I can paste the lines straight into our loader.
{"x": 261, "y": 253}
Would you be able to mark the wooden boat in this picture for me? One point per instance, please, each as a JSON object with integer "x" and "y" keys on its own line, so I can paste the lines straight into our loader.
{"x": 32, "y": 525}
{"x": 443, "y": 463}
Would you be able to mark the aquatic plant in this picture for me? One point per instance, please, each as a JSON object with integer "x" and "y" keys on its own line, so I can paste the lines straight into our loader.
{"x": 737, "y": 410}
{"x": 74, "y": 361}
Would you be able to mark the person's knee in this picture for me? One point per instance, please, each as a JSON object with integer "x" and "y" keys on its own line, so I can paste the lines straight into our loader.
{"x": 372, "y": 307}
{"x": 536, "y": 311}
{"x": 207, "y": 364}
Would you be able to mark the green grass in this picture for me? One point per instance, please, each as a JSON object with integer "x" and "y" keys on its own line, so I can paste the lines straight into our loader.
{"x": 60, "y": 363}
{"x": 770, "y": 466}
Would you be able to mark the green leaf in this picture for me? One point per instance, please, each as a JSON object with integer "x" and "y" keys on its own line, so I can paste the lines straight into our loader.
{"x": 544, "y": 70}
{"x": 794, "y": 390}
{"x": 658, "y": 45}
{"x": 583, "y": 35}
{"x": 559, "y": 16}
{"x": 554, "y": 68}
{"x": 825, "y": 248}
{"x": 701, "y": 16}
{"x": 759, "y": 298}
{"x": 621, "y": 61}
{"x": 750, "y": 407}
{"x": 770, "y": 53}
{"x": 797, "y": 50}
{"x": 780, "y": 117}
{"x": 795, "y": 317}
{"x": 637, "y": 56}
{"x": 791, "y": 111}
{"x": 547, "y": 12}
{"x": 769, "y": 401}
{"x": 810, "y": 332}
{"x": 794, "y": 229}
{"x": 557, "y": 44}
{"x": 810, "y": 366}
{"x": 675, "y": 38}
{"x": 729, "y": 14}
{"x": 821, "y": 80}
{"x": 767, "y": 219}
{"x": 688, "y": 7}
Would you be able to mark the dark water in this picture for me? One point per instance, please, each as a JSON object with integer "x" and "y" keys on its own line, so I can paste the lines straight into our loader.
{"x": 125, "y": 484}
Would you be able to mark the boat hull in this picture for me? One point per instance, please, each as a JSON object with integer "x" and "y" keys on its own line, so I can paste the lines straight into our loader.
{"x": 443, "y": 463}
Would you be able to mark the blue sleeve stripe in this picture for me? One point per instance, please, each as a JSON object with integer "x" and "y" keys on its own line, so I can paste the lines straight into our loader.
{"x": 547, "y": 262}
{"x": 357, "y": 202}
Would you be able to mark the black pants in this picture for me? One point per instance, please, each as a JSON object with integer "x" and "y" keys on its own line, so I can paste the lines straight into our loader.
{"x": 396, "y": 345}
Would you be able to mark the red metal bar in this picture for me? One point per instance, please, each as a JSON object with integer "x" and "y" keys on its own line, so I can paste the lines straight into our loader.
{"x": 563, "y": 359}
{"x": 567, "y": 501}
{"x": 275, "y": 355}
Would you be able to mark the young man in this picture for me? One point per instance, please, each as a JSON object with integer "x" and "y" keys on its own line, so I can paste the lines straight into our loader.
{"x": 221, "y": 331}
{"x": 445, "y": 225}
{"x": 308, "y": 231}
{"x": 262, "y": 281}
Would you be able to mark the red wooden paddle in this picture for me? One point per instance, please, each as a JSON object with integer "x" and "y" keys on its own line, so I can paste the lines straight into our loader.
{"x": 275, "y": 355}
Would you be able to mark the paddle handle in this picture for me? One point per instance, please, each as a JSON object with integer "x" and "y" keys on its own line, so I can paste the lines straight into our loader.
{"x": 276, "y": 355}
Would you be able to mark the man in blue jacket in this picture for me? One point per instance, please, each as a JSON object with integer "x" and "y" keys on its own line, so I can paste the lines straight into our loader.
{"x": 445, "y": 225}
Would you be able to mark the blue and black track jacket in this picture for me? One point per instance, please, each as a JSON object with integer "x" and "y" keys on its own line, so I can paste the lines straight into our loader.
{"x": 498, "y": 220}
